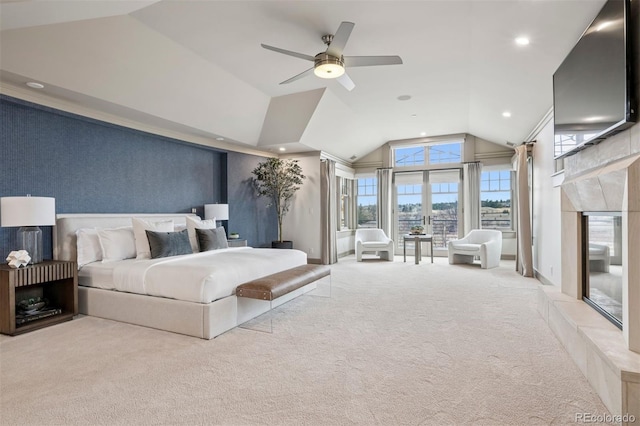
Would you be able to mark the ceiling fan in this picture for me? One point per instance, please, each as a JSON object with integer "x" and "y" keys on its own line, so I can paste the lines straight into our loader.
{"x": 331, "y": 63}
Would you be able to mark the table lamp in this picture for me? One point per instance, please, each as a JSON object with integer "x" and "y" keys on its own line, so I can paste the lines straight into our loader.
{"x": 28, "y": 213}
{"x": 218, "y": 211}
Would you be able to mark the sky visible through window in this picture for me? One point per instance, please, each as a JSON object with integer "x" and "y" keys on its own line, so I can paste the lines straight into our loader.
{"x": 437, "y": 154}
{"x": 495, "y": 185}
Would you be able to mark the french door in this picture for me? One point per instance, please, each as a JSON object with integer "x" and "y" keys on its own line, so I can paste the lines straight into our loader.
{"x": 427, "y": 198}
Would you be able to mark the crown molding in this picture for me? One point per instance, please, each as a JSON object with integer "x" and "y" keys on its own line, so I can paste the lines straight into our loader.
{"x": 538, "y": 127}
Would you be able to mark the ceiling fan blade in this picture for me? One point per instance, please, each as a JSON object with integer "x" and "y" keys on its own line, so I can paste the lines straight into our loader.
{"x": 366, "y": 61}
{"x": 346, "y": 81}
{"x": 340, "y": 39}
{"x": 299, "y": 76}
{"x": 289, "y": 52}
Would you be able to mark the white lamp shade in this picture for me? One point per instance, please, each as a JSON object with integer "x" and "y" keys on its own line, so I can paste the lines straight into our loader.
{"x": 27, "y": 211}
{"x": 217, "y": 211}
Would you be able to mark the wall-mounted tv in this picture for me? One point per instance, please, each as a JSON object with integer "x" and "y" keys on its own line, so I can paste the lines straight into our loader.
{"x": 593, "y": 89}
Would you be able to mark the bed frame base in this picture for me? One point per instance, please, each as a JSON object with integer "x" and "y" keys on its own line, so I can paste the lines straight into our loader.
{"x": 193, "y": 319}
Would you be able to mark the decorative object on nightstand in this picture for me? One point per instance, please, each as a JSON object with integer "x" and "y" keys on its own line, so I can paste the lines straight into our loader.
{"x": 37, "y": 296}
{"x": 28, "y": 213}
{"x": 219, "y": 212}
{"x": 237, "y": 242}
{"x": 234, "y": 235}
{"x": 18, "y": 258}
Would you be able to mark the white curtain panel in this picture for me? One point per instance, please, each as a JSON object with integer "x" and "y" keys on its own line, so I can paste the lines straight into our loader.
{"x": 329, "y": 199}
{"x": 353, "y": 210}
{"x": 472, "y": 173}
{"x": 384, "y": 200}
{"x": 524, "y": 257}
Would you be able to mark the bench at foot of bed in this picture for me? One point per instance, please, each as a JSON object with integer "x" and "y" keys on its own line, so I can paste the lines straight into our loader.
{"x": 281, "y": 283}
{"x": 276, "y": 287}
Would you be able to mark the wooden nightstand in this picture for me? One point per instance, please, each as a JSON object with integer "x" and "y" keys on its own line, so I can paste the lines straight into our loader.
{"x": 236, "y": 242}
{"x": 56, "y": 281}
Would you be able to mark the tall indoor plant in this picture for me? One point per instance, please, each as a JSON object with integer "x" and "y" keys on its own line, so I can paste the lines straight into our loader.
{"x": 278, "y": 180}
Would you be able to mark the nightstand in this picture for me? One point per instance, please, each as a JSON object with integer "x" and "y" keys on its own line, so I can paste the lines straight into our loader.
{"x": 236, "y": 242}
{"x": 56, "y": 281}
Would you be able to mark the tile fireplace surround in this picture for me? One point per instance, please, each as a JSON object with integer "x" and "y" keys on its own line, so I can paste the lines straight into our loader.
{"x": 609, "y": 358}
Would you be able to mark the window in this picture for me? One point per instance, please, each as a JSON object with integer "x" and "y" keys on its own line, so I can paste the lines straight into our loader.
{"x": 445, "y": 153}
{"x": 413, "y": 156}
{"x": 495, "y": 197}
{"x": 345, "y": 197}
{"x": 367, "y": 200}
{"x": 439, "y": 153}
{"x": 565, "y": 142}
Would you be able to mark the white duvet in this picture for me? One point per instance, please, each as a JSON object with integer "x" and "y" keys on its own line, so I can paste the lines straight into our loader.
{"x": 199, "y": 277}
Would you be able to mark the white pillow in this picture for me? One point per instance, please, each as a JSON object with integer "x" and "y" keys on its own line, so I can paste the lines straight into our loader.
{"x": 117, "y": 244}
{"x": 88, "y": 246}
{"x": 142, "y": 242}
{"x": 196, "y": 222}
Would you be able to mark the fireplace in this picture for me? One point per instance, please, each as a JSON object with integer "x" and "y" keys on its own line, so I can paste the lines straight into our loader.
{"x": 600, "y": 244}
{"x": 602, "y": 264}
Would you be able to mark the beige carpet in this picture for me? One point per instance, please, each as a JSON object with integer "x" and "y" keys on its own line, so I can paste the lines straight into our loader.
{"x": 429, "y": 344}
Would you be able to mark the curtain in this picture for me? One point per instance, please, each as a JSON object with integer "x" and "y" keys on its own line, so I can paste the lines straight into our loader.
{"x": 471, "y": 195}
{"x": 384, "y": 200}
{"x": 524, "y": 257}
{"x": 353, "y": 208}
{"x": 329, "y": 199}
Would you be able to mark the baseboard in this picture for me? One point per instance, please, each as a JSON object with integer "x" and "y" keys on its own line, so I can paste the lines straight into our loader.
{"x": 508, "y": 257}
{"x": 544, "y": 280}
{"x": 314, "y": 261}
{"x": 346, "y": 253}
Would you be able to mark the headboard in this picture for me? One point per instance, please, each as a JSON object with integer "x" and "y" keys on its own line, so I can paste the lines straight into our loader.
{"x": 64, "y": 232}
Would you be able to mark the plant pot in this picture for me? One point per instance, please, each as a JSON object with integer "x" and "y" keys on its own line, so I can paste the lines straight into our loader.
{"x": 282, "y": 244}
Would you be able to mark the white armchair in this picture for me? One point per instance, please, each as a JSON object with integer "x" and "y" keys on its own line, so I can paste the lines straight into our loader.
{"x": 599, "y": 257}
{"x": 484, "y": 243}
{"x": 373, "y": 240}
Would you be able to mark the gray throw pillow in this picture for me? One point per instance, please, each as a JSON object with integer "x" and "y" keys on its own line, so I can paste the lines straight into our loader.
{"x": 165, "y": 244}
{"x": 212, "y": 239}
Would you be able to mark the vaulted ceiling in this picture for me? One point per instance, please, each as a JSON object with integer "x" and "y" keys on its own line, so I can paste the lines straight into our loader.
{"x": 197, "y": 67}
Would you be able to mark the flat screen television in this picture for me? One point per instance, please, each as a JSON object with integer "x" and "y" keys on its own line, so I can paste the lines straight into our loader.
{"x": 593, "y": 89}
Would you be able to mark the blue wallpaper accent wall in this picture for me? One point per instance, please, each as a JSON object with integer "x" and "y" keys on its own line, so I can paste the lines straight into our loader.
{"x": 248, "y": 214}
{"x": 94, "y": 167}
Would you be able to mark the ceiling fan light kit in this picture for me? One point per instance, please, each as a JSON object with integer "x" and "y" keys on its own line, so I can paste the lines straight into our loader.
{"x": 327, "y": 66}
{"x": 331, "y": 64}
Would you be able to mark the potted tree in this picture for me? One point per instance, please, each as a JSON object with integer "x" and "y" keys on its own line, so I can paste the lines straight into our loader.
{"x": 278, "y": 180}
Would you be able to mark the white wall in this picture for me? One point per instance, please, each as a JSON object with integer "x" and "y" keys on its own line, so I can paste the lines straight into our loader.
{"x": 547, "y": 259}
{"x": 302, "y": 224}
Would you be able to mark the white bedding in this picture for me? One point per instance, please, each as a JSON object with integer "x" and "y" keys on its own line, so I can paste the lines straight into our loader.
{"x": 199, "y": 277}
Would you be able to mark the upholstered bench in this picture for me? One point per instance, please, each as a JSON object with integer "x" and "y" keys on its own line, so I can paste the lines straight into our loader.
{"x": 278, "y": 288}
{"x": 275, "y": 285}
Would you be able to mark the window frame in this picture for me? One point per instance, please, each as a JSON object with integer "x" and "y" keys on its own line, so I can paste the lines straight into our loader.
{"x": 426, "y": 148}
{"x": 505, "y": 168}
{"x": 374, "y": 185}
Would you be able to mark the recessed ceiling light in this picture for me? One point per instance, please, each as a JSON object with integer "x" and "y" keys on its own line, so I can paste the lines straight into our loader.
{"x": 522, "y": 41}
{"x": 219, "y": 138}
{"x": 414, "y": 115}
{"x": 506, "y": 114}
{"x": 35, "y": 85}
{"x": 404, "y": 97}
{"x": 282, "y": 148}
{"x": 423, "y": 133}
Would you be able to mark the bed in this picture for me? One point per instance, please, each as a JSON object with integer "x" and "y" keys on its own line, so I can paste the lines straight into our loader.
{"x": 192, "y": 294}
